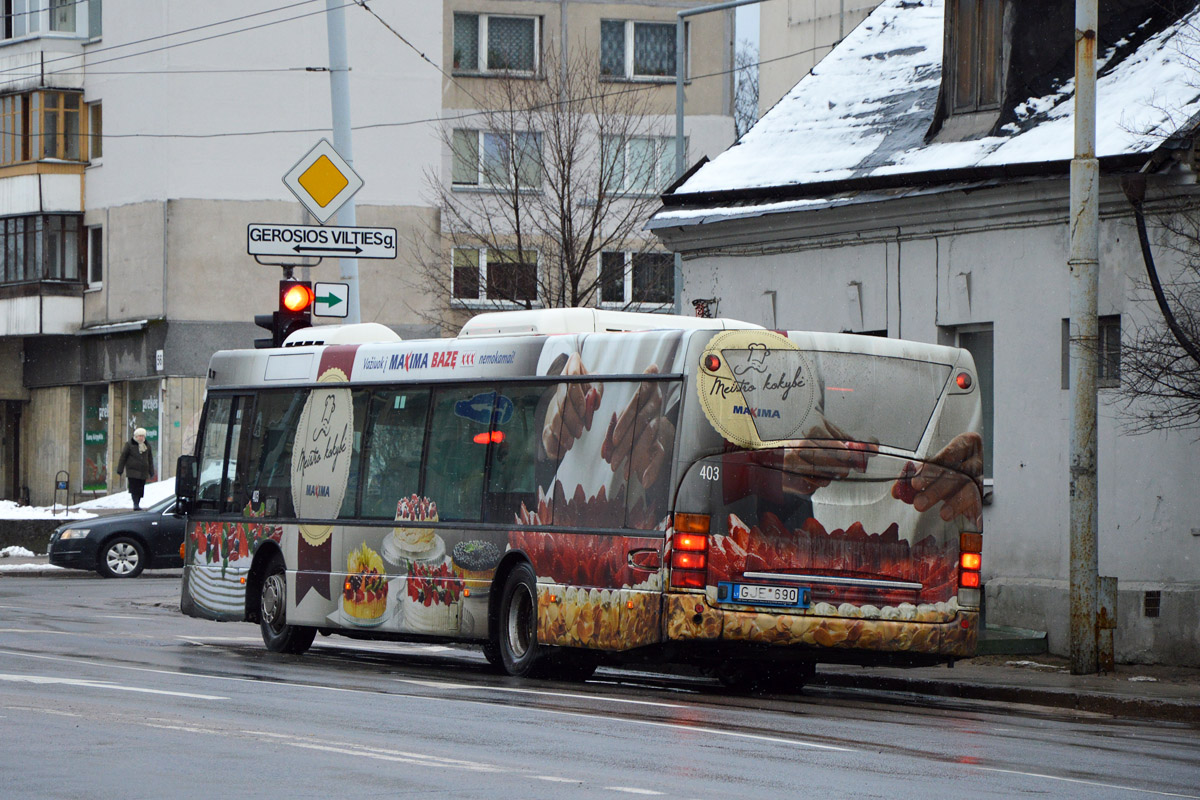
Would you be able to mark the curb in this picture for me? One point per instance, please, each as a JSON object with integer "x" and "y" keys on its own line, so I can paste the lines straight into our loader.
{"x": 1093, "y": 702}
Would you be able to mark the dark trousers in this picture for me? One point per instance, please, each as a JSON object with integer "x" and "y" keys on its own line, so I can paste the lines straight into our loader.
{"x": 137, "y": 487}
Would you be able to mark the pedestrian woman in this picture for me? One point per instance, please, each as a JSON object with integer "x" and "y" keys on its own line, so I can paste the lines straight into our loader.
{"x": 137, "y": 458}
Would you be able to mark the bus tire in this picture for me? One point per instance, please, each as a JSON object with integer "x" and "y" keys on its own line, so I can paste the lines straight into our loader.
{"x": 516, "y": 628}
{"x": 492, "y": 653}
{"x": 278, "y": 635}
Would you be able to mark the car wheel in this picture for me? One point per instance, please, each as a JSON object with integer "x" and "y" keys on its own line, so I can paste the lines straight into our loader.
{"x": 278, "y": 635}
{"x": 122, "y": 557}
{"x": 516, "y": 631}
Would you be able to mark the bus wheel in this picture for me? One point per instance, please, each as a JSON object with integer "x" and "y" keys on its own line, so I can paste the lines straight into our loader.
{"x": 492, "y": 654}
{"x": 516, "y": 633}
{"x": 272, "y": 609}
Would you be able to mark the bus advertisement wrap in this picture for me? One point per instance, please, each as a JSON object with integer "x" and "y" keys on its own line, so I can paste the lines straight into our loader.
{"x": 607, "y": 492}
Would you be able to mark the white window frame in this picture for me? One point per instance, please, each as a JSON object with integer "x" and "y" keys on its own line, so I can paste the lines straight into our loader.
{"x": 482, "y": 300}
{"x": 94, "y": 118}
{"x": 629, "y": 74}
{"x": 667, "y": 164}
{"x": 482, "y": 179}
{"x": 92, "y": 255}
{"x": 482, "y": 67}
{"x": 34, "y": 18}
{"x": 627, "y": 302}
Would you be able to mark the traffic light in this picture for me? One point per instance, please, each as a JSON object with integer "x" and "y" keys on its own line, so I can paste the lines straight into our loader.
{"x": 295, "y": 312}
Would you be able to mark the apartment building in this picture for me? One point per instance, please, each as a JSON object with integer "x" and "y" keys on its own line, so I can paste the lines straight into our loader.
{"x": 796, "y": 34}
{"x": 139, "y": 139}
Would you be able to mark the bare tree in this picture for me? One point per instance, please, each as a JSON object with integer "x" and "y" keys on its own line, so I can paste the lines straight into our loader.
{"x": 745, "y": 91}
{"x": 551, "y": 183}
{"x": 1160, "y": 358}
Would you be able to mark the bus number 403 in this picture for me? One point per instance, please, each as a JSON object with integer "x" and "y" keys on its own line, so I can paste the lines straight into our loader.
{"x": 710, "y": 472}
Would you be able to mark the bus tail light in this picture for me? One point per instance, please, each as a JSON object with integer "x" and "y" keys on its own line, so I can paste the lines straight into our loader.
{"x": 970, "y": 562}
{"x": 689, "y": 551}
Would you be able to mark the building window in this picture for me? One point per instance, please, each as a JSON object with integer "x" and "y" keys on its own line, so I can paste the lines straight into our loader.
{"x": 50, "y": 120}
{"x": 14, "y": 128}
{"x": 977, "y": 340}
{"x": 490, "y": 274}
{"x": 510, "y": 43}
{"x": 484, "y": 158}
{"x": 631, "y": 49}
{"x": 62, "y": 15}
{"x": 976, "y": 46}
{"x": 642, "y": 164}
{"x": 61, "y": 113}
{"x": 95, "y": 255}
{"x": 41, "y": 248}
{"x": 636, "y": 278}
{"x": 1108, "y": 352}
{"x": 29, "y": 17}
{"x": 95, "y": 14}
{"x": 95, "y": 133}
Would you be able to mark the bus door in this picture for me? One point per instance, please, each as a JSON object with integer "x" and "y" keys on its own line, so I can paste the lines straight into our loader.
{"x": 602, "y": 457}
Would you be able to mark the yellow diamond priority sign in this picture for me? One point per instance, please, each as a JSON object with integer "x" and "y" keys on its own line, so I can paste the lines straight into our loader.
{"x": 322, "y": 181}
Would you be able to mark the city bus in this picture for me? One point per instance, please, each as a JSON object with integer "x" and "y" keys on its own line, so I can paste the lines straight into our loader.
{"x": 574, "y": 487}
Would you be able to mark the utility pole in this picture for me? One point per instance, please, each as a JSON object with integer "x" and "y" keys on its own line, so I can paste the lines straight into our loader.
{"x": 339, "y": 97}
{"x": 1084, "y": 266}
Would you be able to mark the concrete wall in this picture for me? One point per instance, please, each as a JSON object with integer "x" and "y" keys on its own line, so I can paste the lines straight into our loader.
{"x": 233, "y": 135}
{"x": 799, "y": 33}
{"x": 996, "y": 257}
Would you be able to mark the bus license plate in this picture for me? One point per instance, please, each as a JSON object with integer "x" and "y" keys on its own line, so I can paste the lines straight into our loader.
{"x": 770, "y": 595}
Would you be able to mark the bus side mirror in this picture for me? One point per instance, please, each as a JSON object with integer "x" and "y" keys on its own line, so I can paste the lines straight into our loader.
{"x": 186, "y": 479}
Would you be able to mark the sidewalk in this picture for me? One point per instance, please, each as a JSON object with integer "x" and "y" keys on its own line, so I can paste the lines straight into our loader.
{"x": 1170, "y": 694}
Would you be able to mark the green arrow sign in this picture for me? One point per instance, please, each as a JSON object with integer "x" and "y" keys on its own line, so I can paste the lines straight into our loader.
{"x": 329, "y": 300}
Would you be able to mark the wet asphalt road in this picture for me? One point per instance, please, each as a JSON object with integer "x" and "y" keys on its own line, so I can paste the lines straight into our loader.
{"x": 107, "y": 691}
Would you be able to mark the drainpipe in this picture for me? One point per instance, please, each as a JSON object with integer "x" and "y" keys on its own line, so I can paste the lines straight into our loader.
{"x": 1084, "y": 265}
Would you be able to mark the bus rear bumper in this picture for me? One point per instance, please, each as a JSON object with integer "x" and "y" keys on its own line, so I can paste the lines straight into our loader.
{"x": 687, "y": 617}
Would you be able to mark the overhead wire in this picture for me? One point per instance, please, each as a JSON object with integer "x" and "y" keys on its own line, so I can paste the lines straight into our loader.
{"x": 640, "y": 87}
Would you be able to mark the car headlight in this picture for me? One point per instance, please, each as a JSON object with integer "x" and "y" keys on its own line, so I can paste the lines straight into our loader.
{"x": 75, "y": 533}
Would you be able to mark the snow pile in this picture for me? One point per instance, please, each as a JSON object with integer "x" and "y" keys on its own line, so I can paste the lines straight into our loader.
{"x": 11, "y": 510}
{"x": 159, "y": 490}
{"x": 16, "y": 552}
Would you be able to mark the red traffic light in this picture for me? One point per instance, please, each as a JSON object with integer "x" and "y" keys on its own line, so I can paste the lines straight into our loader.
{"x": 296, "y": 296}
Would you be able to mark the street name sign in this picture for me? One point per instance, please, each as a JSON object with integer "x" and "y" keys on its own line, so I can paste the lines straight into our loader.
{"x": 322, "y": 181}
{"x": 330, "y": 299}
{"x": 266, "y": 239}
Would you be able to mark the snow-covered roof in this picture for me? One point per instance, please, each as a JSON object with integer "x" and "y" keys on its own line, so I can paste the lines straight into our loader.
{"x": 865, "y": 111}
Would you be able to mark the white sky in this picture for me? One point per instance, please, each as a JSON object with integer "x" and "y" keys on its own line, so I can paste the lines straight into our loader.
{"x": 747, "y": 24}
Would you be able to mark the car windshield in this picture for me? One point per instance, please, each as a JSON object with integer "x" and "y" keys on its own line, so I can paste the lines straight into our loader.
{"x": 162, "y": 506}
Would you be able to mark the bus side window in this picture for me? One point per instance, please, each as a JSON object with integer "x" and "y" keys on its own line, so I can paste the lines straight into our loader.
{"x": 350, "y": 499}
{"x": 214, "y": 438}
{"x": 236, "y": 487}
{"x": 653, "y": 451}
{"x": 454, "y": 459}
{"x": 513, "y": 453}
{"x": 270, "y": 453}
{"x": 393, "y": 449}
